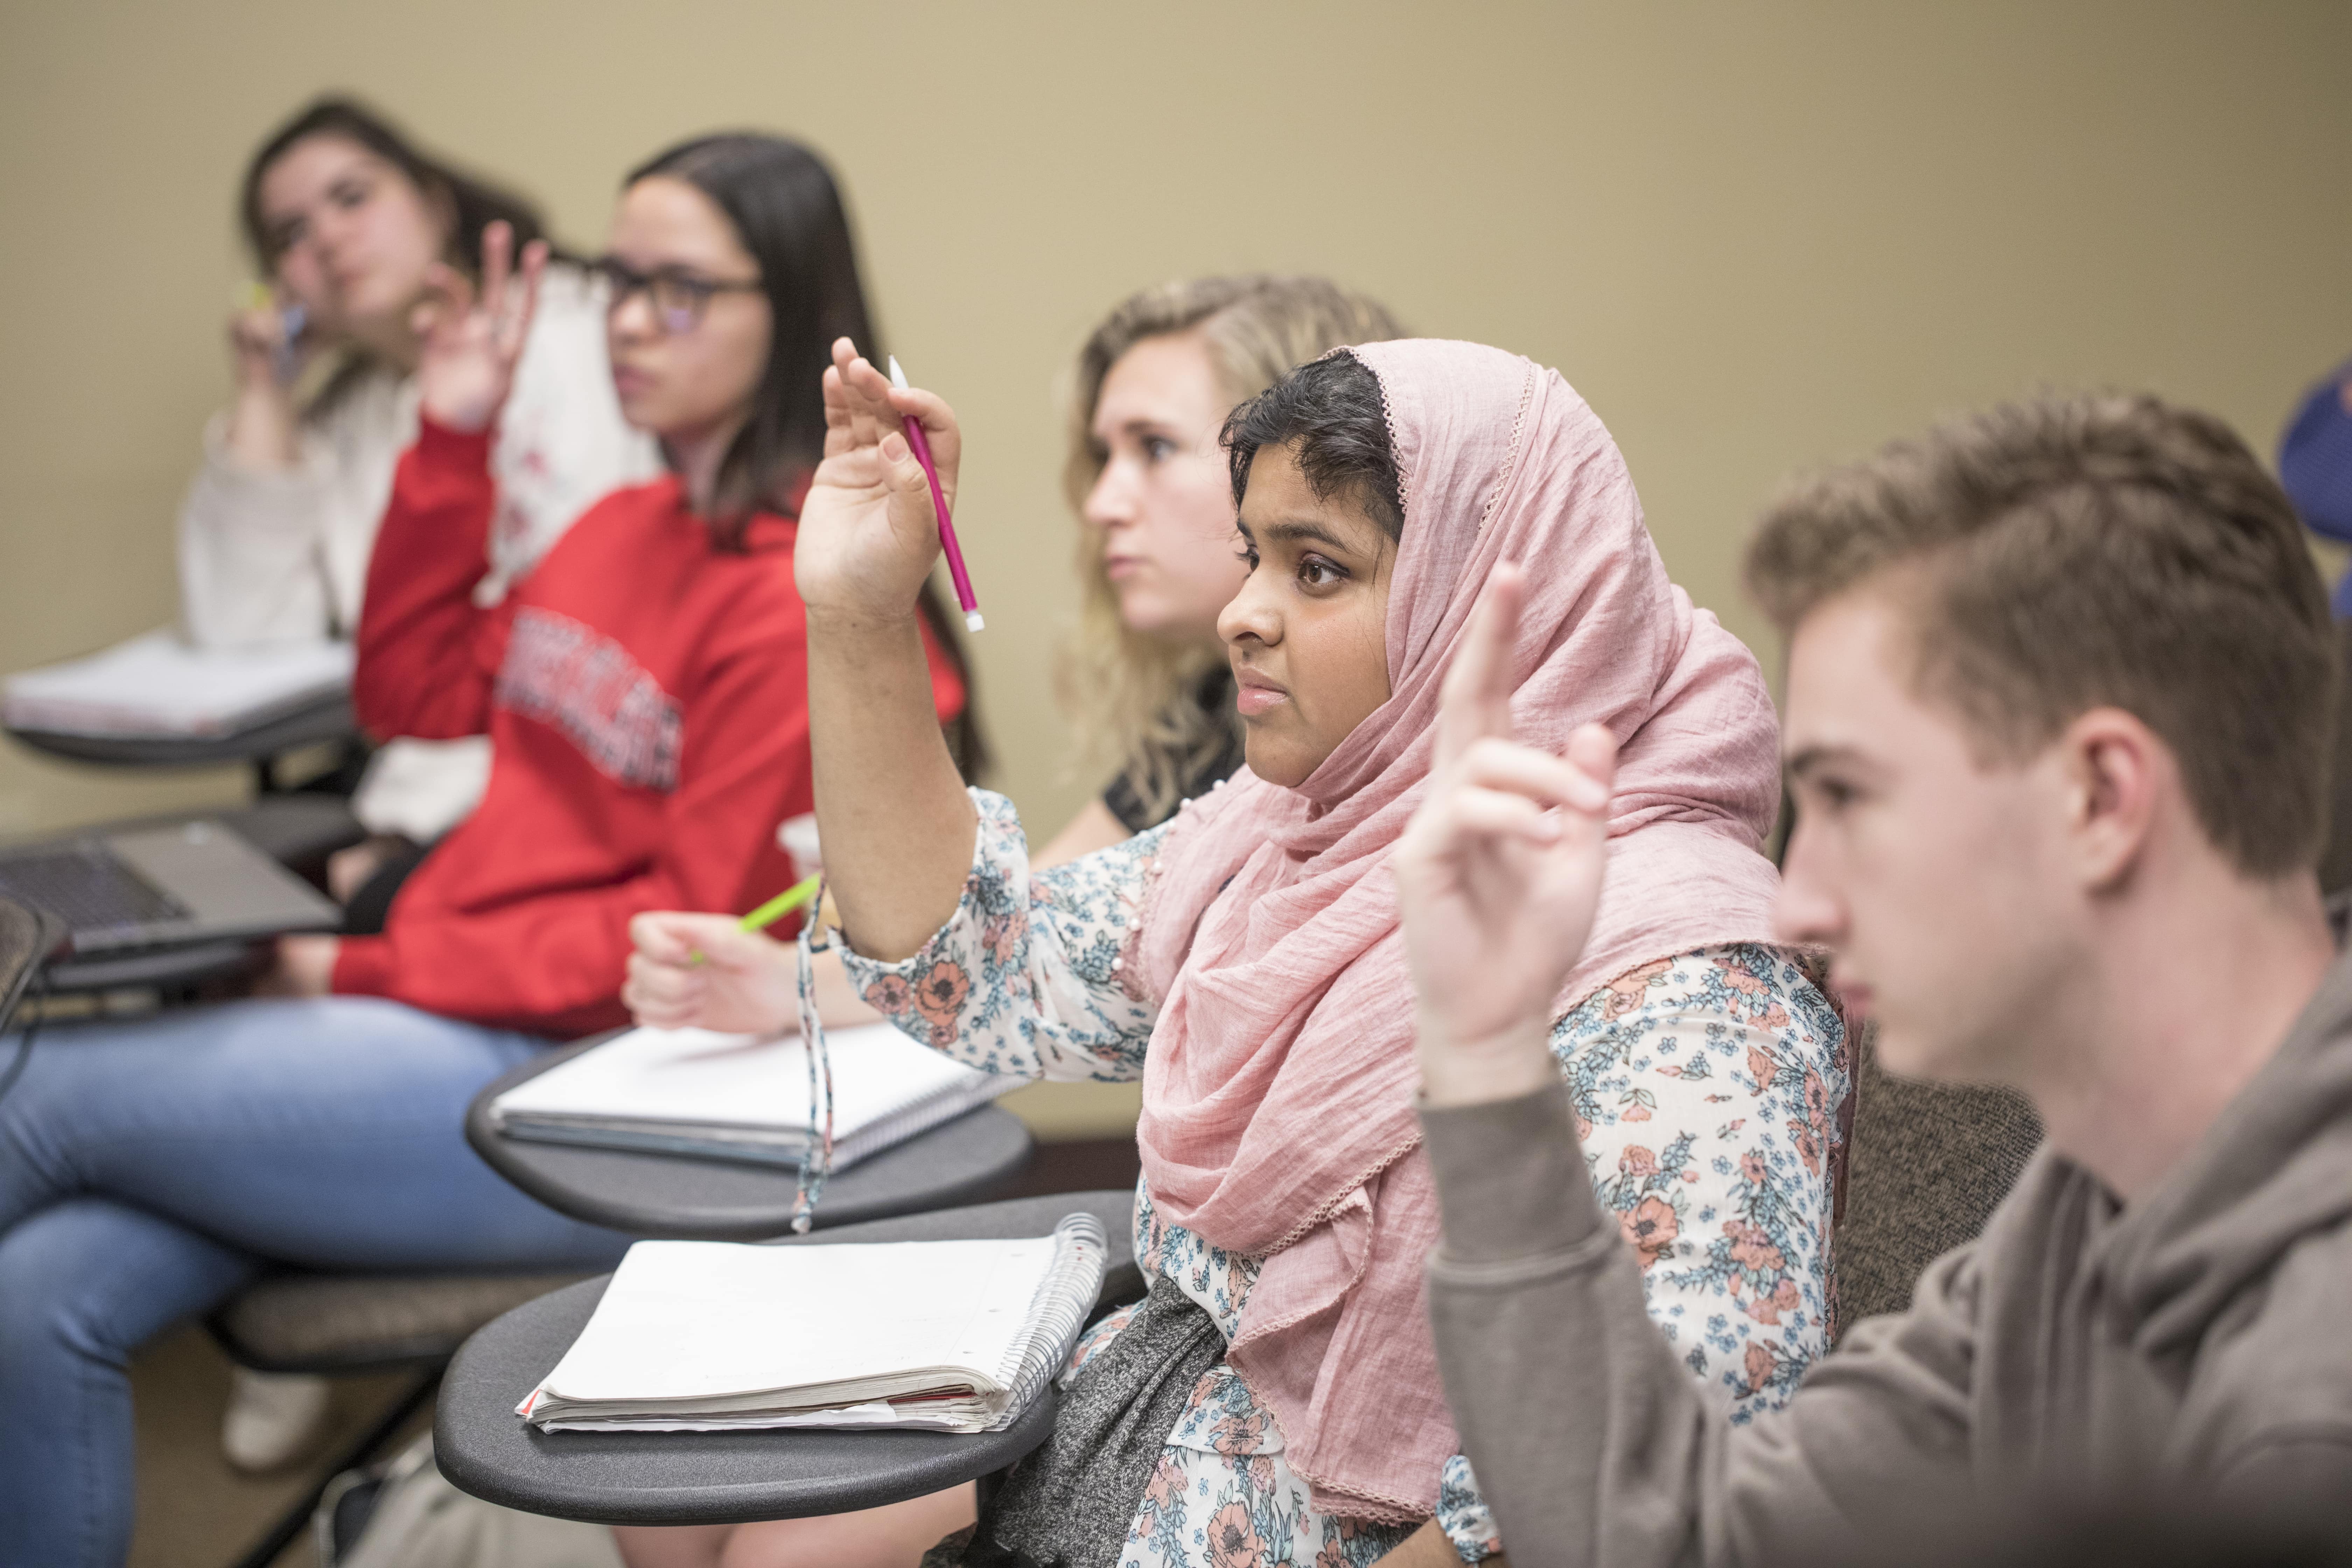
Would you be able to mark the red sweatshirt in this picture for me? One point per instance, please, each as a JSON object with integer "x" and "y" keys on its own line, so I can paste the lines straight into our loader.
{"x": 646, "y": 699}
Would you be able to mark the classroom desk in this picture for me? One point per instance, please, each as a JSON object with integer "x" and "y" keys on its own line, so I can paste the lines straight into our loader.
{"x": 728, "y": 1478}
{"x": 329, "y": 720}
{"x": 680, "y": 1198}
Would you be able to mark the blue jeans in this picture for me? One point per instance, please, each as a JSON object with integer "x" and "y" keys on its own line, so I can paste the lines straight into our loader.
{"x": 147, "y": 1169}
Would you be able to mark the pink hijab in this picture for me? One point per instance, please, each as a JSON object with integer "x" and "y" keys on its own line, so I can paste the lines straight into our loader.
{"x": 1278, "y": 1089}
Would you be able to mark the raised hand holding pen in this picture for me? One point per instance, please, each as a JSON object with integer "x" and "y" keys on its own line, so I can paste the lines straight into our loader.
{"x": 890, "y": 807}
{"x": 1500, "y": 872}
{"x": 470, "y": 341}
{"x": 868, "y": 531}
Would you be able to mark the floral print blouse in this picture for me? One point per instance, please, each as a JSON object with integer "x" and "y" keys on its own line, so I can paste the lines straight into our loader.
{"x": 1706, "y": 1085}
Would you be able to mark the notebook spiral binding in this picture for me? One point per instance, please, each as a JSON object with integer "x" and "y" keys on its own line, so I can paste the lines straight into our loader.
{"x": 1057, "y": 1313}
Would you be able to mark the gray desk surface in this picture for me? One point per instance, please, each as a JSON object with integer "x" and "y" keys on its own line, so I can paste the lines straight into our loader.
{"x": 720, "y": 1478}
{"x": 715, "y": 1199}
{"x": 331, "y": 720}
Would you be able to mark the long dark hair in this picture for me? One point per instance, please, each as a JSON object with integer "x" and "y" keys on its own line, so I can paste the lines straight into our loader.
{"x": 788, "y": 214}
{"x": 472, "y": 204}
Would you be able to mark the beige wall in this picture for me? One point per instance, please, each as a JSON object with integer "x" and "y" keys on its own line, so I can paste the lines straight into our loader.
{"x": 1754, "y": 236}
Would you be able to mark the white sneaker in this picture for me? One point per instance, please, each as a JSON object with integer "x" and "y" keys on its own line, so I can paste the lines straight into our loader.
{"x": 274, "y": 1419}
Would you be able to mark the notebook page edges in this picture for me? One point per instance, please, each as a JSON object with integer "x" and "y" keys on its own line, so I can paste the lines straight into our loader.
{"x": 706, "y": 1335}
{"x": 742, "y": 1097}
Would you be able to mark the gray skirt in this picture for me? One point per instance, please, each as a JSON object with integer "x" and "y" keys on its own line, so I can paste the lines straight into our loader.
{"x": 1071, "y": 1502}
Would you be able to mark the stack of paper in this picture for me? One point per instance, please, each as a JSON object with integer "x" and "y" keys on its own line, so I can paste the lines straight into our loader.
{"x": 701, "y": 1336}
{"x": 741, "y": 1097}
{"x": 157, "y": 685}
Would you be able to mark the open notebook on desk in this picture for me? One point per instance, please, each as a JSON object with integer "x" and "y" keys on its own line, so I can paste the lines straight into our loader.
{"x": 157, "y": 686}
{"x": 705, "y": 1336}
{"x": 741, "y": 1097}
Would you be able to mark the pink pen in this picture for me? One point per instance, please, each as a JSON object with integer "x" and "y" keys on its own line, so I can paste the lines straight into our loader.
{"x": 913, "y": 428}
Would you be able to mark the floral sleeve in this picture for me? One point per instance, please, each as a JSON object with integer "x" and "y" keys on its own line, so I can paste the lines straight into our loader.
{"x": 1026, "y": 977}
{"x": 1705, "y": 1088}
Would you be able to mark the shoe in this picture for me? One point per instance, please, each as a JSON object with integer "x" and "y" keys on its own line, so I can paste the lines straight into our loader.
{"x": 273, "y": 1420}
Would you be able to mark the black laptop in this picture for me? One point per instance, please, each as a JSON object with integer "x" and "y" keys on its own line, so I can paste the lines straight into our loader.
{"x": 162, "y": 887}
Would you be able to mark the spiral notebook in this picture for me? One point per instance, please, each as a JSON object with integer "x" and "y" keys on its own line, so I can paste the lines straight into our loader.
{"x": 742, "y": 1097}
{"x": 707, "y": 1336}
{"x": 157, "y": 685}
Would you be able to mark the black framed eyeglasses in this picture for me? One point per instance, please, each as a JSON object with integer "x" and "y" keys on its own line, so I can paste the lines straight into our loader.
{"x": 678, "y": 298}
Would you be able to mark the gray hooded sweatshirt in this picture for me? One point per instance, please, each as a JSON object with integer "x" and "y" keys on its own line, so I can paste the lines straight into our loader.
{"x": 2197, "y": 1341}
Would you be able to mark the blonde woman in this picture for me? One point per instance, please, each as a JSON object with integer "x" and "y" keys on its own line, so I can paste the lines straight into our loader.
{"x": 1146, "y": 676}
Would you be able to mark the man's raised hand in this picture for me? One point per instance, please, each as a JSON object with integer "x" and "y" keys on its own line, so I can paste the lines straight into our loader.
{"x": 1500, "y": 872}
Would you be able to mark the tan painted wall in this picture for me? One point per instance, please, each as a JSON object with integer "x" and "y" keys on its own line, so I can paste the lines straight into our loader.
{"x": 1754, "y": 236}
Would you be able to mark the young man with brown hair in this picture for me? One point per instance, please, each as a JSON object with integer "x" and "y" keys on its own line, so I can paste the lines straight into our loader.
{"x": 2059, "y": 699}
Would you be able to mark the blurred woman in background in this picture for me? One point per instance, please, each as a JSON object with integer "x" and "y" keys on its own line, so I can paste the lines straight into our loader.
{"x": 346, "y": 218}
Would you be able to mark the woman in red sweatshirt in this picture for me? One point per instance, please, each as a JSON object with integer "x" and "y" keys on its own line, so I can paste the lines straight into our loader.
{"x": 645, "y": 692}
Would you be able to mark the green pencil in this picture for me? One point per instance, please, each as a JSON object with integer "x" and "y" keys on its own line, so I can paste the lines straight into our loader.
{"x": 783, "y": 904}
{"x": 775, "y": 909}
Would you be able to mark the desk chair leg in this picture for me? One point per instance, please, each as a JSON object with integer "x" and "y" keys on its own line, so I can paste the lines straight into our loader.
{"x": 360, "y": 1450}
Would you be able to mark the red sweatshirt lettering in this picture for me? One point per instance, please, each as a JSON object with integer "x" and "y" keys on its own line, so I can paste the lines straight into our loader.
{"x": 646, "y": 695}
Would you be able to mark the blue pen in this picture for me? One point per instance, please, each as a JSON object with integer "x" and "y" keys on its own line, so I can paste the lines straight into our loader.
{"x": 290, "y": 322}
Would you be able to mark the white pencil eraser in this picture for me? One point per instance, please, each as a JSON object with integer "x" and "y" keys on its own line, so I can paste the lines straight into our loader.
{"x": 971, "y": 619}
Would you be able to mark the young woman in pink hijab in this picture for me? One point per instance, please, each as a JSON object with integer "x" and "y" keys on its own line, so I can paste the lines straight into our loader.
{"x": 1275, "y": 1398}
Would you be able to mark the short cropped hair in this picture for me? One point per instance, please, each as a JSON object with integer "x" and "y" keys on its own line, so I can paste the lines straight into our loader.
{"x": 1330, "y": 413}
{"x": 2072, "y": 552}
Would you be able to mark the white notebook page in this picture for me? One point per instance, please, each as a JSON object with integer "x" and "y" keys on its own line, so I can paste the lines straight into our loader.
{"x": 741, "y": 1080}
{"x": 156, "y": 684}
{"x": 687, "y": 1320}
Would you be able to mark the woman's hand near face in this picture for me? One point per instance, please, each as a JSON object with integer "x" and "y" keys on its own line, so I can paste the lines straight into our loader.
{"x": 469, "y": 347}
{"x": 264, "y": 427}
{"x": 868, "y": 533}
{"x": 1500, "y": 873}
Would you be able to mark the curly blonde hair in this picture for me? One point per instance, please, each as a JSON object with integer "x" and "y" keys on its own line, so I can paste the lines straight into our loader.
{"x": 1132, "y": 695}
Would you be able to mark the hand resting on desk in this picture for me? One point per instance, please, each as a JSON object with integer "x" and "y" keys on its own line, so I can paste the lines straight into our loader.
{"x": 746, "y": 983}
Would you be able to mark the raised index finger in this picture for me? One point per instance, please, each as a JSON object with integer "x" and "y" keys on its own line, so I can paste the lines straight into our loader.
{"x": 1476, "y": 700}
